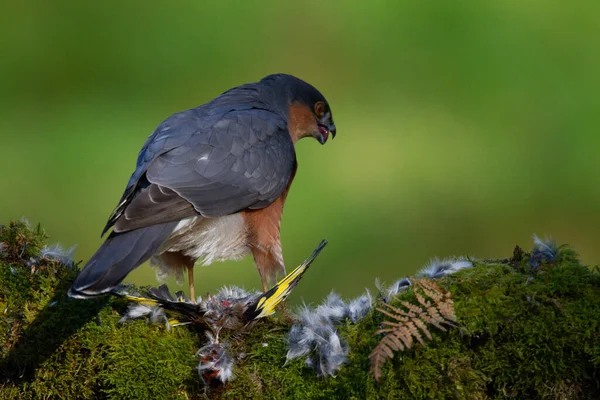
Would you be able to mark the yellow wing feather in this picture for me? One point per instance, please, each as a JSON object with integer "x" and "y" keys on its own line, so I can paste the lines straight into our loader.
{"x": 152, "y": 303}
{"x": 141, "y": 300}
{"x": 271, "y": 298}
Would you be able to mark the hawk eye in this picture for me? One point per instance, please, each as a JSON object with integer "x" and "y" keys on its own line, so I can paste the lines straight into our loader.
{"x": 320, "y": 108}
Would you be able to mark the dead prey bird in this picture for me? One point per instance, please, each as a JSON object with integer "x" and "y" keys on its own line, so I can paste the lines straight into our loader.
{"x": 231, "y": 308}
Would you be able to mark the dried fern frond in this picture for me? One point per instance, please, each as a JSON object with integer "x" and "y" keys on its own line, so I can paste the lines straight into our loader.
{"x": 434, "y": 308}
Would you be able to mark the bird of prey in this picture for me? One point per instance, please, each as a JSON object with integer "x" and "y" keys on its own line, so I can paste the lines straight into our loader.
{"x": 210, "y": 184}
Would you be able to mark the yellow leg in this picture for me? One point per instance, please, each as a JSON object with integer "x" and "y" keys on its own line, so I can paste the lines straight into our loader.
{"x": 191, "y": 282}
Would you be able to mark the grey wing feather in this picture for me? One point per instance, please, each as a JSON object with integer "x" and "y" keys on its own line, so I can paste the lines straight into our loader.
{"x": 223, "y": 172}
{"x": 170, "y": 134}
{"x": 211, "y": 165}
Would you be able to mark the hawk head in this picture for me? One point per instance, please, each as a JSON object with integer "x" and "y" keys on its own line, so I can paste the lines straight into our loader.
{"x": 306, "y": 109}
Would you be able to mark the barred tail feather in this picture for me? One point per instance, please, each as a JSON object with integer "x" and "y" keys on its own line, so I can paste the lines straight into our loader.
{"x": 119, "y": 254}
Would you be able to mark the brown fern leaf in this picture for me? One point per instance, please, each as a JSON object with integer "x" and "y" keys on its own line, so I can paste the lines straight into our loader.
{"x": 435, "y": 296}
{"x": 385, "y": 330}
{"x": 382, "y": 352}
{"x": 399, "y": 311}
{"x": 397, "y": 317}
{"x": 423, "y": 327}
{"x": 432, "y": 290}
{"x": 414, "y": 310}
{"x": 434, "y": 318}
{"x": 401, "y": 333}
{"x": 447, "y": 310}
{"x": 378, "y": 357}
{"x": 389, "y": 345}
{"x": 434, "y": 308}
{"x": 422, "y": 300}
{"x": 431, "y": 285}
{"x": 401, "y": 340}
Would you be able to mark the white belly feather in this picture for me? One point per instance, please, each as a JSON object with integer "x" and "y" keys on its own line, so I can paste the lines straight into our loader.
{"x": 215, "y": 239}
{"x": 205, "y": 239}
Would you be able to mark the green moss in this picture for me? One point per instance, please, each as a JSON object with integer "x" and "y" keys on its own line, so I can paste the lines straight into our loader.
{"x": 146, "y": 363}
{"x": 522, "y": 334}
{"x": 57, "y": 347}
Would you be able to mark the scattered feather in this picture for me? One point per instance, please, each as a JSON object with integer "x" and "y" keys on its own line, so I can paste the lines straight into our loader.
{"x": 57, "y": 253}
{"x": 544, "y": 252}
{"x": 300, "y": 341}
{"x": 314, "y": 335}
{"x": 216, "y": 363}
{"x": 397, "y": 287}
{"x": 25, "y": 221}
{"x": 135, "y": 311}
{"x": 326, "y": 351}
{"x": 333, "y": 308}
{"x": 437, "y": 269}
{"x": 333, "y": 353}
{"x": 234, "y": 293}
{"x": 360, "y": 307}
{"x": 154, "y": 313}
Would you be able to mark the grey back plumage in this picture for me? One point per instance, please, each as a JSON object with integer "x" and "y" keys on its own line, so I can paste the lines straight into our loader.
{"x": 230, "y": 154}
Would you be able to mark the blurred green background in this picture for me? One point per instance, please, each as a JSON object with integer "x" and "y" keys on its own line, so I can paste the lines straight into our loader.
{"x": 463, "y": 127}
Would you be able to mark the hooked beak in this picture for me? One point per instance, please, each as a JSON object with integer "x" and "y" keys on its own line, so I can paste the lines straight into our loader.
{"x": 324, "y": 131}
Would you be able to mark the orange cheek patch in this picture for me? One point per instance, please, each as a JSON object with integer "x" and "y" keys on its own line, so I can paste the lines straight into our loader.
{"x": 301, "y": 121}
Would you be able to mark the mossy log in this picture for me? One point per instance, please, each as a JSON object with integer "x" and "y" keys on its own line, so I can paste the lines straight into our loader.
{"x": 522, "y": 333}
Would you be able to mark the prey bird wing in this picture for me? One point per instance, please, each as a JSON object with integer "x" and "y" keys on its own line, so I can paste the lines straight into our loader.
{"x": 266, "y": 303}
{"x": 180, "y": 310}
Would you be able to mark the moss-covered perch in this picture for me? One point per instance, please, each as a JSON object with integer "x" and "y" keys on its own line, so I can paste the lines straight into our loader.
{"x": 524, "y": 333}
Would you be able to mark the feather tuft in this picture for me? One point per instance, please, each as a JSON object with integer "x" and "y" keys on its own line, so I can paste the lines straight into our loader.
{"x": 437, "y": 268}
{"x": 314, "y": 334}
{"x": 216, "y": 362}
{"x": 395, "y": 288}
{"x": 57, "y": 253}
{"x": 544, "y": 252}
{"x": 359, "y": 307}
